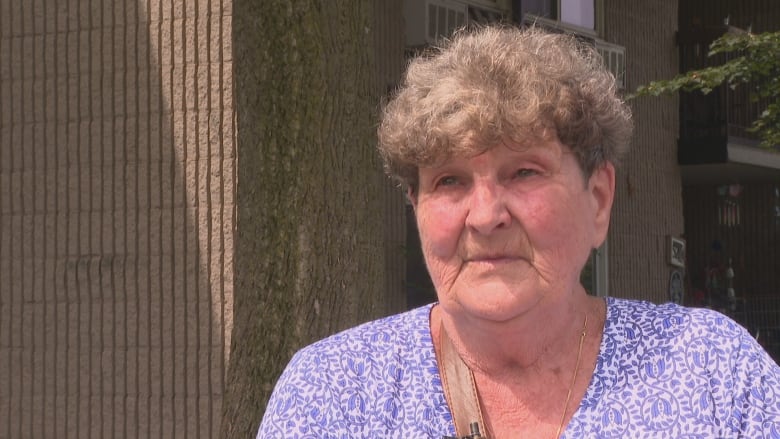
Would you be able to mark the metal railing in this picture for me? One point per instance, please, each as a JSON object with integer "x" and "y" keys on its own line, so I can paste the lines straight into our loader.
{"x": 760, "y": 315}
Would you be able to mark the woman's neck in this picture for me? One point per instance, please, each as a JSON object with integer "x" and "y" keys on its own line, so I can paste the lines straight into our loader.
{"x": 541, "y": 339}
{"x": 531, "y": 374}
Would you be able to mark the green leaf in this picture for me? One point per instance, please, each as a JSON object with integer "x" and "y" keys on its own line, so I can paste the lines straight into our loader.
{"x": 753, "y": 59}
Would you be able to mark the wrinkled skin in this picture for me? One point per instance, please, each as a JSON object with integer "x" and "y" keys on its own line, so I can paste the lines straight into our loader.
{"x": 510, "y": 229}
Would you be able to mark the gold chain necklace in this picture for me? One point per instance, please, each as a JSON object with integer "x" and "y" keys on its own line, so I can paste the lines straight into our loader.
{"x": 455, "y": 374}
{"x": 573, "y": 377}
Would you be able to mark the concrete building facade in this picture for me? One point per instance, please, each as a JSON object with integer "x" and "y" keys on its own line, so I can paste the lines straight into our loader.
{"x": 116, "y": 217}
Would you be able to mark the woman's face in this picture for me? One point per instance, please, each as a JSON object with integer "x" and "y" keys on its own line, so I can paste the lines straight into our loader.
{"x": 510, "y": 228}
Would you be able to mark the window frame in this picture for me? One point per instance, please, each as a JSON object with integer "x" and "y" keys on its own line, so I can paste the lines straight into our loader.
{"x": 598, "y": 21}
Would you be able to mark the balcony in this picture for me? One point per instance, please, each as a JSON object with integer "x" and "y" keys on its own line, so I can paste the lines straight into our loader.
{"x": 714, "y": 138}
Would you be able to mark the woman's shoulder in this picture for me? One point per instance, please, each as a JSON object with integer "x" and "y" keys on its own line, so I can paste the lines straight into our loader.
{"x": 378, "y": 336}
{"x": 666, "y": 367}
{"x": 669, "y": 321}
{"x": 353, "y": 382}
{"x": 638, "y": 332}
{"x": 365, "y": 352}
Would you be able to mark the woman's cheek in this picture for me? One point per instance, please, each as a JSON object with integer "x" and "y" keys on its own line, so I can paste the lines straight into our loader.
{"x": 442, "y": 274}
{"x": 547, "y": 220}
{"x": 440, "y": 251}
{"x": 440, "y": 231}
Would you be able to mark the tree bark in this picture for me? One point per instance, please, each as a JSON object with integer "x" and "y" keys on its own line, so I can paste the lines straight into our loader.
{"x": 309, "y": 253}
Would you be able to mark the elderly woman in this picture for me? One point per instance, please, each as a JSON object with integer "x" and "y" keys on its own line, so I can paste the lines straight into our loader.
{"x": 506, "y": 141}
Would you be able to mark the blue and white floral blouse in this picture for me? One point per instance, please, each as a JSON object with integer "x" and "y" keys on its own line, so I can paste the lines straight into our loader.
{"x": 662, "y": 371}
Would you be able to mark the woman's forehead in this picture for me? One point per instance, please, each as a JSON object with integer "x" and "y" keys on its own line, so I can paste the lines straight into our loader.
{"x": 548, "y": 149}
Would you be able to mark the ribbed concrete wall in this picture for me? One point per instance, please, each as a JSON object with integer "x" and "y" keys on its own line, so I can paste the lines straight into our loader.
{"x": 116, "y": 217}
{"x": 648, "y": 204}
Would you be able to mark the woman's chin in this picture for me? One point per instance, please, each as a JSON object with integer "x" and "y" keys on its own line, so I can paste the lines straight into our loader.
{"x": 497, "y": 305}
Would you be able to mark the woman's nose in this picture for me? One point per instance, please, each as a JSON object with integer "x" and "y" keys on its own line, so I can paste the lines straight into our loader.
{"x": 487, "y": 208}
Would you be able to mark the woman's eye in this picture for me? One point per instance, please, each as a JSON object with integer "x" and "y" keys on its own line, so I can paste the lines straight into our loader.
{"x": 448, "y": 181}
{"x": 525, "y": 172}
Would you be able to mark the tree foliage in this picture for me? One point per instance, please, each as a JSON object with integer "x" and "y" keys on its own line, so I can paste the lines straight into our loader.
{"x": 755, "y": 64}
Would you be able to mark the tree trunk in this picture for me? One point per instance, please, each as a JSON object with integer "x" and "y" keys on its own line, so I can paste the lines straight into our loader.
{"x": 309, "y": 253}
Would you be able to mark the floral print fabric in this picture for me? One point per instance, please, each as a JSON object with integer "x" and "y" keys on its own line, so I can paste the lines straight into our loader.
{"x": 662, "y": 371}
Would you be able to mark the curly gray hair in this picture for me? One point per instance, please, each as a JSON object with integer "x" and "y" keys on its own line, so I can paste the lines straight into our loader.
{"x": 497, "y": 83}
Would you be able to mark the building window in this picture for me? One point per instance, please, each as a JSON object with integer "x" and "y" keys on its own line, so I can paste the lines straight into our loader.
{"x": 540, "y": 8}
{"x": 429, "y": 20}
{"x": 580, "y": 13}
{"x": 579, "y": 16}
{"x": 583, "y": 18}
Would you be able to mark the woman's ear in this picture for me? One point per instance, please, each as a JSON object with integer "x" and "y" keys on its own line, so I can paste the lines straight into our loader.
{"x": 412, "y": 196}
{"x": 601, "y": 187}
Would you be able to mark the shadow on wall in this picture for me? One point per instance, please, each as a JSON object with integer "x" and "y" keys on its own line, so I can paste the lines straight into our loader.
{"x": 116, "y": 216}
